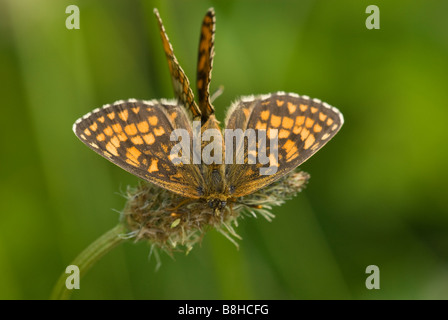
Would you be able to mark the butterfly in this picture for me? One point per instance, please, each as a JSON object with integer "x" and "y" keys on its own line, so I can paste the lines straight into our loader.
{"x": 139, "y": 136}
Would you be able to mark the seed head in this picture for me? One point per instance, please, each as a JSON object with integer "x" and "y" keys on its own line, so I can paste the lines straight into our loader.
{"x": 171, "y": 222}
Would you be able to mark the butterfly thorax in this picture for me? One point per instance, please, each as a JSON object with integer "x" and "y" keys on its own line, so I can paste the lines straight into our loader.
{"x": 216, "y": 191}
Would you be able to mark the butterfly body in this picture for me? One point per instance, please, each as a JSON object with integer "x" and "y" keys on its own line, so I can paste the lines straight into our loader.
{"x": 215, "y": 190}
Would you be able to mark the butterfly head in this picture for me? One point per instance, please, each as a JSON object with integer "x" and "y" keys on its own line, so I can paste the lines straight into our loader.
{"x": 217, "y": 202}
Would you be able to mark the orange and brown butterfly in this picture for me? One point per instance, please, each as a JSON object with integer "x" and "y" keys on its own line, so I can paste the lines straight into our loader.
{"x": 139, "y": 135}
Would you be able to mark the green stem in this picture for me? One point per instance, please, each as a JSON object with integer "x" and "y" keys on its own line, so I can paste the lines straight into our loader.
{"x": 86, "y": 259}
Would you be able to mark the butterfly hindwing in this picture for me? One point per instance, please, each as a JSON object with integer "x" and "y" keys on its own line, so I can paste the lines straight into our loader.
{"x": 301, "y": 126}
{"x": 135, "y": 135}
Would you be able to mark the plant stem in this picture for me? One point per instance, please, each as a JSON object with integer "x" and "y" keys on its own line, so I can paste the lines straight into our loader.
{"x": 87, "y": 258}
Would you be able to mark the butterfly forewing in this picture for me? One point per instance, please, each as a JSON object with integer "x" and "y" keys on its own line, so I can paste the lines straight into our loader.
{"x": 181, "y": 84}
{"x": 135, "y": 135}
{"x": 300, "y": 125}
{"x": 205, "y": 63}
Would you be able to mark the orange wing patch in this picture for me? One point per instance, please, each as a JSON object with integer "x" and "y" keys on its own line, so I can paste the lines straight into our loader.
{"x": 130, "y": 129}
{"x": 153, "y": 167}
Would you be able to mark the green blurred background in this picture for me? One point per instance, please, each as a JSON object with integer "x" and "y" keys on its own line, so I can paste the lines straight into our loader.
{"x": 377, "y": 194}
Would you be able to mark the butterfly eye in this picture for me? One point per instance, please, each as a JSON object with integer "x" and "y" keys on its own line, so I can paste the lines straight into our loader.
{"x": 210, "y": 204}
{"x": 223, "y": 204}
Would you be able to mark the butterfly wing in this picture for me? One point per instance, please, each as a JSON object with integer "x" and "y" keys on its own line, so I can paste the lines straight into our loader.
{"x": 180, "y": 81}
{"x": 301, "y": 126}
{"x": 135, "y": 135}
{"x": 205, "y": 63}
